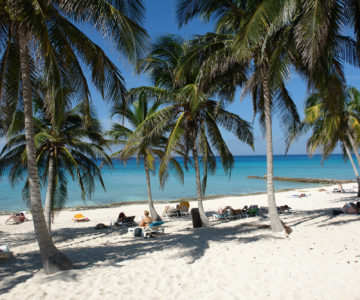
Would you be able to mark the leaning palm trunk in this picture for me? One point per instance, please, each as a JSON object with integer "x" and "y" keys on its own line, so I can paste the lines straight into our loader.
{"x": 203, "y": 217}
{"x": 154, "y": 215}
{"x": 353, "y": 145}
{"x": 53, "y": 260}
{"x": 348, "y": 152}
{"x": 50, "y": 193}
{"x": 275, "y": 221}
{"x": 355, "y": 149}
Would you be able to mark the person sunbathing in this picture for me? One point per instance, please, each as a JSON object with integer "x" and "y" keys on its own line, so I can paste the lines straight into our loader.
{"x": 146, "y": 220}
{"x": 17, "y": 218}
{"x": 351, "y": 208}
{"x": 224, "y": 210}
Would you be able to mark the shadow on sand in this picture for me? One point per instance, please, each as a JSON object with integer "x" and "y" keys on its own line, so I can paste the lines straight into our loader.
{"x": 191, "y": 243}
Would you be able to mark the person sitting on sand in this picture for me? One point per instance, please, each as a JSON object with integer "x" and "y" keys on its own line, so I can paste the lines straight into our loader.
{"x": 17, "y": 218}
{"x": 146, "y": 220}
{"x": 121, "y": 217}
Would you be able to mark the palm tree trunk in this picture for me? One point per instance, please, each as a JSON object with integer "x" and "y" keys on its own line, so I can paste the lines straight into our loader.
{"x": 353, "y": 145}
{"x": 348, "y": 152}
{"x": 275, "y": 221}
{"x": 355, "y": 149}
{"x": 53, "y": 260}
{"x": 203, "y": 217}
{"x": 50, "y": 192}
{"x": 154, "y": 215}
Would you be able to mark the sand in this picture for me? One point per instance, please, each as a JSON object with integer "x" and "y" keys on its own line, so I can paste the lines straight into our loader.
{"x": 230, "y": 260}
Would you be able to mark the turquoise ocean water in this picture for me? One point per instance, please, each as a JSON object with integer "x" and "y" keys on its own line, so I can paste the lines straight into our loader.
{"x": 128, "y": 183}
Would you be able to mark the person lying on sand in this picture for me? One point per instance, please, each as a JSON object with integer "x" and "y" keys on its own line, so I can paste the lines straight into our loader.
{"x": 146, "y": 221}
{"x": 17, "y": 218}
{"x": 284, "y": 208}
{"x": 222, "y": 211}
{"x": 351, "y": 208}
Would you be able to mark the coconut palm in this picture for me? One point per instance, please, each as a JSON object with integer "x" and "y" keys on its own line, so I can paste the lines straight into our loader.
{"x": 261, "y": 49}
{"x": 318, "y": 26}
{"x": 42, "y": 34}
{"x": 70, "y": 148}
{"x": 187, "y": 105}
{"x": 137, "y": 142}
{"x": 331, "y": 116}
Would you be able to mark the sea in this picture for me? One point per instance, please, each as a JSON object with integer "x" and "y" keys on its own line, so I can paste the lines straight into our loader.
{"x": 127, "y": 183}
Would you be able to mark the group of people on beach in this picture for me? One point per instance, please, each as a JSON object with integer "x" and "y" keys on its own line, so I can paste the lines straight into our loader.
{"x": 146, "y": 220}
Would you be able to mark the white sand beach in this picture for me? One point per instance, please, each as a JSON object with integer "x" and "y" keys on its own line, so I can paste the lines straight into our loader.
{"x": 230, "y": 260}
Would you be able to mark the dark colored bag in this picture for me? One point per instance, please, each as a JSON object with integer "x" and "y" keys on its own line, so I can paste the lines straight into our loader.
{"x": 101, "y": 226}
{"x": 138, "y": 232}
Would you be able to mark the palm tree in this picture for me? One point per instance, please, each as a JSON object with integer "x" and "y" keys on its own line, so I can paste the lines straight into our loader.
{"x": 69, "y": 148}
{"x": 41, "y": 33}
{"x": 250, "y": 43}
{"x": 332, "y": 115}
{"x": 137, "y": 142}
{"x": 195, "y": 117}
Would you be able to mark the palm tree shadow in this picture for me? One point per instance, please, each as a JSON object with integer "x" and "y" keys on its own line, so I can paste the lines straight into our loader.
{"x": 191, "y": 244}
{"x": 319, "y": 217}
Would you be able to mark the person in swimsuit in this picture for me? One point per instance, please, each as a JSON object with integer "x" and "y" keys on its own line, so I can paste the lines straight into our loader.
{"x": 146, "y": 221}
{"x": 18, "y": 218}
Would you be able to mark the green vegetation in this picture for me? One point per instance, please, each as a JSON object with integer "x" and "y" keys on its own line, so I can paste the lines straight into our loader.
{"x": 255, "y": 46}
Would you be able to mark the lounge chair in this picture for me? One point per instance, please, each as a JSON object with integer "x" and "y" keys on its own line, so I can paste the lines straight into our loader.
{"x": 228, "y": 215}
{"x": 170, "y": 212}
{"x": 184, "y": 208}
{"x": 153, "y": 228}
{"x": 127, "y": 221}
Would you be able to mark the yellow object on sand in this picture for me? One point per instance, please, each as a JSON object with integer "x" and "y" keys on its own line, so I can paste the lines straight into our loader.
{"x": 185, "y": 203}
{"x": 80, "y": 218}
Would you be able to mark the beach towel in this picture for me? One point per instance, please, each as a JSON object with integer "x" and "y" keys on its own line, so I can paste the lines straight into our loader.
{"x": 80, "y": 218}
{"x": 154, "y": 224}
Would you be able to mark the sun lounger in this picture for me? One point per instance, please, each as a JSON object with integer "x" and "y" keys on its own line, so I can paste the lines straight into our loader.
{"x": 229, "y": 215}
{"x": 184, "y": 208}
{"x": 170, "y": 212}
{"x": 127, "y": 222}
{"x": 153, "y": 228}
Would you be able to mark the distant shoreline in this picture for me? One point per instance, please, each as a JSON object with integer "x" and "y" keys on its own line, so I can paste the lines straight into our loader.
{"x": 126, "y": 203}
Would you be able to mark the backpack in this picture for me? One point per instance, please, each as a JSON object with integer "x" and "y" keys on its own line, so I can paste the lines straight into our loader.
{"x": 138, "y": 232}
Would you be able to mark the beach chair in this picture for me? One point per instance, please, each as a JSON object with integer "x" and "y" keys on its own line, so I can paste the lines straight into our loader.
{"x": 184, "y": 208}
{"x": 153, "y": 228}
{"x": 127, "y": 222}
{"x": 170, "y": 212}
{"x": 227, "y": 216}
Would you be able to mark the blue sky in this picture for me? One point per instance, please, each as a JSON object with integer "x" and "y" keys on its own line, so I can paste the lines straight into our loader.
{"x": 160, "y": 19}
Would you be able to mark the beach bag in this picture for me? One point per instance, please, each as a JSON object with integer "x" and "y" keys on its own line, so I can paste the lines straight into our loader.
{"x": 138, "y": 232}
{"x": 252, "y": 212}
{"x": 101, "y": 226}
